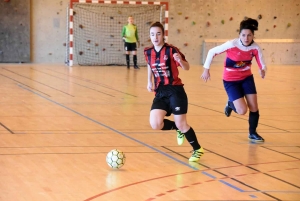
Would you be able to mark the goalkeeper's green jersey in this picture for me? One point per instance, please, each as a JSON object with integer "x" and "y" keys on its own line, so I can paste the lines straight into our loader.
{"x": 130, "y": 33}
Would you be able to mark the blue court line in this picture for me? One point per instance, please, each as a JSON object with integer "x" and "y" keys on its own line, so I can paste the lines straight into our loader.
{"x": 232, "y": 186}
{"x": 124, "y": 135}
{"x": 209, "y": 175}
{"x": 293, "y": 192}
{"x": 253, "y": 196}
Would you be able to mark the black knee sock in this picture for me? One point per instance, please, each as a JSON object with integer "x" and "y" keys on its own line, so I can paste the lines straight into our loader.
{"x": 127, "y": 60}
{"x": 135, "y": 60}
{"x": 231, "y": 105}
{"x": 169, "y": 125}
{"x": 190, "y": 135}
{"x": 253, "y": 121}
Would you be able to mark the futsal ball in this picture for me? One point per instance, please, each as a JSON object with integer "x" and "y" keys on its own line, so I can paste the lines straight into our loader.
{"x": 115, "y": 159}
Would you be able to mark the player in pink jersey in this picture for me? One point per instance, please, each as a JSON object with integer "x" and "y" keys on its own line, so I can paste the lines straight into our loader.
{"x": 237, "y": 76}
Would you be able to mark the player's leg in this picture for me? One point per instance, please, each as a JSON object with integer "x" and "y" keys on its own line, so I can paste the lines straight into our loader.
{"x": 251, "y": 97}
{"x": 157, "y": 119}
{"x": 236, "y": 102}
{"x": 190, "y": 135}
{"x": 134, "y": 56}
{"x": 159, "y": 110}
{"x": 179, "y": 106}
{"x": 240, "y": 106}
{"x": 127, "y": 54}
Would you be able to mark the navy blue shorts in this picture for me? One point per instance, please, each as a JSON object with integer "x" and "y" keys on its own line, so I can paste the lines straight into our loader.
{"x": 238, "y": 89}
{"x": 171, "y": 98}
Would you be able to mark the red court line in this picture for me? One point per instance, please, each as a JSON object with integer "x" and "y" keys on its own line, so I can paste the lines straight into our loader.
{"x": 132, "y": 184}
{"x": 274, "y": 170}
{"x": 238, "y": 175}
{"x": 292, "y": 168}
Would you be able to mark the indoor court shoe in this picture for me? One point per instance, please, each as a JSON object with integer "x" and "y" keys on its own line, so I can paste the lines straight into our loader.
{"x": 196, "y": 155}
{"x": 136, "y": 67}
{"x": 254, "y": 137}
{"x": 180, "y": 137}
{"x": 227, "y": 110}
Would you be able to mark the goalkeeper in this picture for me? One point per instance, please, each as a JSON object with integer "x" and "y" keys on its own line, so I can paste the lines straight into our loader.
{"x": 131, "y": 39}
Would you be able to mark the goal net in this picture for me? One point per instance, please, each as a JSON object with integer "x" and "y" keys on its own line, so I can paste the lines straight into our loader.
{"x": 94, "y": 30}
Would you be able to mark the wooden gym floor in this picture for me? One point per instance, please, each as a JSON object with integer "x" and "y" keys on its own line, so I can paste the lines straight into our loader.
{"x": 58, "y": 123}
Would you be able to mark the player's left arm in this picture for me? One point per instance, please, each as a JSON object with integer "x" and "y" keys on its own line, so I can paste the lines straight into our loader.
{"x": 183, "y": 63}
{"x": 261, "y": 63}
{"x": 137, "y": 37}
{"x": 180, "y": 59}
{"x": 136, "y": 34}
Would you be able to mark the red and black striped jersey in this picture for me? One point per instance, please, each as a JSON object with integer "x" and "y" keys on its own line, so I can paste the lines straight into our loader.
{"x": 163, "y": 65}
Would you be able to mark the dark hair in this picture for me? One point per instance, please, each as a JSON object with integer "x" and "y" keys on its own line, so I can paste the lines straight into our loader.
{"x": 249, "y": 23}
{"x": 158, "y": 24}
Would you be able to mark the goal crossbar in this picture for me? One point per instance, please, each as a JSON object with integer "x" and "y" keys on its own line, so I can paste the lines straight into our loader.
{"x": 70, "y": 27}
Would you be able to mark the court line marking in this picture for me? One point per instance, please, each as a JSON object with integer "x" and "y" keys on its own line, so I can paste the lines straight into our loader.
{"x": 24, "y": 84}
{"x": 124, "y": 135}
{"x": 116, "y": 131}
{"x": 40, "y": 83}
{"x": 267, "y": 147}
{"x": 6, "y": 128}
{"x": 73, "y": 83}
{"x": 94, "y": 82}
{"x": 239, "y": 117}
{"x": 232, "y": 186}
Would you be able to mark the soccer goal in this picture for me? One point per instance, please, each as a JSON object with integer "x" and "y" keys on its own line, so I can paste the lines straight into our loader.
{"x": 94, "y": 30}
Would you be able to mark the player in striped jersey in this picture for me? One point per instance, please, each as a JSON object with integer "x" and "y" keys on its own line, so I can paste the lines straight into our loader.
{"x": 237, "y": 76}
{"x": 170, "y": 98}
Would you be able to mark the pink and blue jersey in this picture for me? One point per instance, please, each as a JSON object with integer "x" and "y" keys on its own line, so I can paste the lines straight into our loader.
{"x": 237, "y": 65}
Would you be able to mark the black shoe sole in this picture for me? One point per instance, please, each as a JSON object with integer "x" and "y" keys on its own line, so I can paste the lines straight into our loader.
{"x": 256, "y": 141}
{"x": 227, "y": 111}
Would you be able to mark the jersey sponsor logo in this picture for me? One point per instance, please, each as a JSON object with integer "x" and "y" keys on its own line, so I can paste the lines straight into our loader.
{"x": 165, "y": 57}
{"x": 239, "y": 64}
{"x": 160, "y": 69}
{"x": 161, "y": 64}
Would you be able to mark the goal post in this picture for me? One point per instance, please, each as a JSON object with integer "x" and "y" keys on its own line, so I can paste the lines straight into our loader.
{"x": 94, "y": 29}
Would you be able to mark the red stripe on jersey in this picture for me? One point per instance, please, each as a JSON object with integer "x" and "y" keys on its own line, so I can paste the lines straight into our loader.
{"x": 163, "y": 65}
{"x": 162, "y": 62}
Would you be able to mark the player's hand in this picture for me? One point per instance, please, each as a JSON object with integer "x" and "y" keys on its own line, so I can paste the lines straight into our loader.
{"x": 124, "y": 38}
{"x": 150, "y": 87}
{"x": 177, "y": 57}
{"x": 205, "y": 75}
{"x": 262, "y": 73}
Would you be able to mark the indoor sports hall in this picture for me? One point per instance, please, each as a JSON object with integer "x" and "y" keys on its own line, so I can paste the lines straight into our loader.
{"x": 67, "y": 99}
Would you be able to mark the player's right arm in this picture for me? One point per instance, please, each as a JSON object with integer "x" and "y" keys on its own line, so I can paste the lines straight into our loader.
{"x": 205, "y": 75}
{"x": 124, "y": 33}
{"x": 150, "y": 75}
{"x": 209, "y": 58}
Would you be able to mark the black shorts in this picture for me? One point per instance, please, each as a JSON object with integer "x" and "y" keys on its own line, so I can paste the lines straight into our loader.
{"x": 171, "y": 98}
{"x": 130, "y": 46}
{"x": 238, "y": 89}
